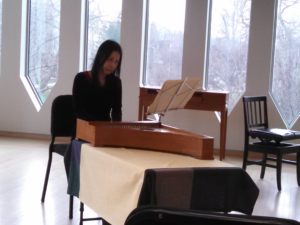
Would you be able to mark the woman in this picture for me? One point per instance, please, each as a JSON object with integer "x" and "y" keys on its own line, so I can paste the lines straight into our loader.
{"x": 98, "y": 93}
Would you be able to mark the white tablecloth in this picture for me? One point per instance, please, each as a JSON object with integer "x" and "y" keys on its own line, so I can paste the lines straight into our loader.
{"x": 111, "y": 178}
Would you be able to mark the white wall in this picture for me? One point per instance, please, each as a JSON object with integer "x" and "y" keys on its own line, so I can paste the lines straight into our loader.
{"x": 131, "y": 41}
{"x": 18, "y": 114}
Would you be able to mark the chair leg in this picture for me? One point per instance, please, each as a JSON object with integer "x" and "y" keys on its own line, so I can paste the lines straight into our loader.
{"x": 263, "y": 166}
{"x": 81, "y": 213}
{"x": 245, "y": 158}
{"x": 298, "y": 168}
{"x": 104, "y": 222}
{"x": 47, "y": 176}
{"x": 71, "y": 207}
{"x": 278, "y": 171}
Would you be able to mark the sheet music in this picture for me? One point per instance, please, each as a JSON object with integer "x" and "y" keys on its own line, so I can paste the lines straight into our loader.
{"x": 164, "y": 96}
{"x": 282, "y": 132}
{"x": 184, "y": 93}
{"x": 174, "y": 94}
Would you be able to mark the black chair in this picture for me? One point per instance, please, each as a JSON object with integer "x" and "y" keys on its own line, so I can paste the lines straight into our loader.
{"x": 63, "y": 123}
{"x": 81, "y": 220}
{"x": 270, "y": 142}
{"x": 170, "y": 216}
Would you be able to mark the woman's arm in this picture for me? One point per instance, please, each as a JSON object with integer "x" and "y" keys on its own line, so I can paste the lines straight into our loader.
{"x": 80, "y": 86}
{"x": 116, "y": 112}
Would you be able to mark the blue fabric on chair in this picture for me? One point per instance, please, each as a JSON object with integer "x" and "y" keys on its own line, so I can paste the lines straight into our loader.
{"x": 74, "y": 168}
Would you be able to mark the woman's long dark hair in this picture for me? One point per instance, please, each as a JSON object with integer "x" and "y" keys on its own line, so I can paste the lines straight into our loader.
{"x": 103, "y": 53}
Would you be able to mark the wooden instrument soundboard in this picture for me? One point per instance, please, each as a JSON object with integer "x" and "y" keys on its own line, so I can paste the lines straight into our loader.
{"x": 145, "y": 135}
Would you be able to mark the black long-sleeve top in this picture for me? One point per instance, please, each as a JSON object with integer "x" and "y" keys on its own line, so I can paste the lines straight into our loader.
{"x": 96, "y": 102}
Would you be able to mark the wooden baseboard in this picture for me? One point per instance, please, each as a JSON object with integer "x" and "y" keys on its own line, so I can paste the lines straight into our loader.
{"x": 253, "y": 155}
{"x": 235, "y": 153}
{"x": 24, "y": 135}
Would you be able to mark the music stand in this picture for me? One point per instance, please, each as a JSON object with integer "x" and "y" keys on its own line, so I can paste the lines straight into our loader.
{"x": 174, "y": 94}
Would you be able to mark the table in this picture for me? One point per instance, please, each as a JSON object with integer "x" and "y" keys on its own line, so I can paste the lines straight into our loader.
{"x": 202, "y": 100}
{"x": 111, "y": 178}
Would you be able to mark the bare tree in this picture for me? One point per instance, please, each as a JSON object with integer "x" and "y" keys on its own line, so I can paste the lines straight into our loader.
{"x": 286, "y": 66}
{"x": 44, "y": 23}
{"x": 229, "y": 48}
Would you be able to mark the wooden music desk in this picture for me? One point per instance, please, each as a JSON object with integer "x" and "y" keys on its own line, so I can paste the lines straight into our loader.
{"x": 202, "y": 100}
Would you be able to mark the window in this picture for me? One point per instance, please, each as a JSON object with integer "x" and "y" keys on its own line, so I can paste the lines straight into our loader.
{"x": 42, "y": 47}
{"x": 0, "y": 28}
{"x": 228, "y": 48}
{"x": 285, "y": 80}
{"x": 163, "y": 41}
{"x": 103, "y": 21}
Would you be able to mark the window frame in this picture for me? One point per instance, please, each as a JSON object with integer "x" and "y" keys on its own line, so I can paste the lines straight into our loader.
{"x": 37, "y": 98}
{"x": 85, "y": 34}
{"x": 208, "y": 50}
{"x": 145, "y": 45}
{"x": 27, "y": 54}
{"x": 289, "y": 123}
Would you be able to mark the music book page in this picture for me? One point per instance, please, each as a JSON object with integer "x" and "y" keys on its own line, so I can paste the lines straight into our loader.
{"x": 184, "y": 93}
{"x": 174, "y": 94}
{"x": 164, "y": 96}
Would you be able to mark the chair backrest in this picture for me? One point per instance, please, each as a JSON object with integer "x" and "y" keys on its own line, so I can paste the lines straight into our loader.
{"x": 255, "y": 112}
{"x": 63, "y": 119}
{"x": 168, "y": 216}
